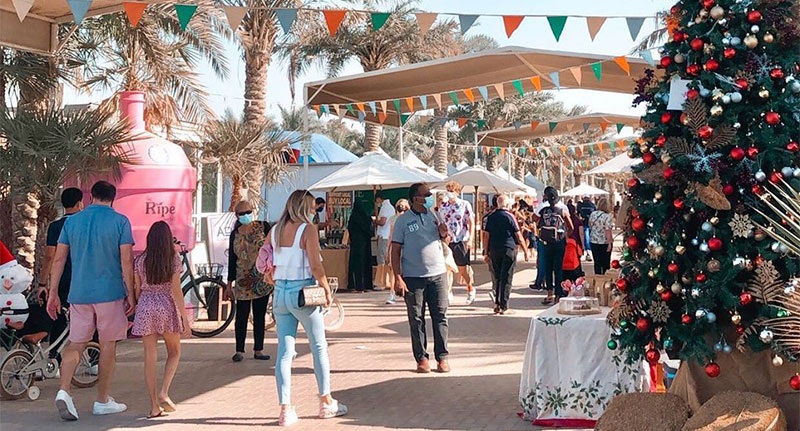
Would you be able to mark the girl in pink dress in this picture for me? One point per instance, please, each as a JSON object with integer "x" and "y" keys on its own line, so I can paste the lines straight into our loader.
{"x": 160, "y": 311}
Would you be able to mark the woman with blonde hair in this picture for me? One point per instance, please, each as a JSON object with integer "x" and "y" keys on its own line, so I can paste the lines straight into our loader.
{"x": 297, "y": 263}
{"x": 600, "y": 236}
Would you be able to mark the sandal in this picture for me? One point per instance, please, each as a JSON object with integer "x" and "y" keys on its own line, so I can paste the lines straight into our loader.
{"x": 157, "y": 415}
{"x": 547, "y": 301}
{"x": 261, "y": 356}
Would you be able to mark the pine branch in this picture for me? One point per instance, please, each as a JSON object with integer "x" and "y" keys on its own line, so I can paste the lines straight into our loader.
{"x": 677, "y": 147}
{"x": 723, "y": 136}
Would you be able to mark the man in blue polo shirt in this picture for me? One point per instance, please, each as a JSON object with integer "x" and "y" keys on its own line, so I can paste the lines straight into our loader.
{"x": 500, "y": 241}
{"x": 99, "y": 242}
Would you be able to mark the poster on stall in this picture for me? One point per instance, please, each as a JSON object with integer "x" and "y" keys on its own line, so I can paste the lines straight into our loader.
{"x": 219, "y": 233}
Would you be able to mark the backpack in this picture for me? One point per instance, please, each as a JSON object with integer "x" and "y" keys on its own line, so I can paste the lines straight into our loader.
{"x": 585, "y": 209}
{"x": 552, "y": 228}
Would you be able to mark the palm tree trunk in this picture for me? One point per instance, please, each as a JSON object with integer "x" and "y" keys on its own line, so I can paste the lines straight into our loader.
{"x": 24, "y": 215}
{"x": 519, "y": 169}
{"x": 492, "y": 161}
{"x": 5, "y": 215}
{"x": 372, "y": 137}
{"x": 440, "y": 145}
{"x": 236, "y": 193}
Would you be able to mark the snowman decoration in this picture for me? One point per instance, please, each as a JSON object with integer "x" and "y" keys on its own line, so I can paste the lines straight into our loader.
{"x": 14, "y": 279}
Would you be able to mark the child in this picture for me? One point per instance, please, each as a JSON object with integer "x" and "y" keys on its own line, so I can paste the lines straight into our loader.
{"x": 160, "y": 311}
{"x": 572, "y": 259}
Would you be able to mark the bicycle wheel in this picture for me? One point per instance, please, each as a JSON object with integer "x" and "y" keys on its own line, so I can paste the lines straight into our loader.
{"x": 14, "y": 378}
{"x": 334, "y": 315}
{"x": 208, "y": 313}
{"x": 86, "y": 374}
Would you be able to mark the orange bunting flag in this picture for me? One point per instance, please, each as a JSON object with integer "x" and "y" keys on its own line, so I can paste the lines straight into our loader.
{"x": 410, "y": 104}
{"x": 563, "y": 149}
{"x": 462, "y": 122}
{"x": 512, "y": 22}
{"x": 603, "y": 127}
{"x": 425, "y": 21}
{"x": 470, "y": 95}
{"x": 134, "y": 11}
{"x": 382, "y": 117}
{"x": 316, "y": 108}
{"x": 534, "y": 125}
{"x": 576, "y": 72}
{"x": 537, "y": 83}
{"x": 623, "y": 64}
{"x": 501, "y": 91}
{"x": 334, "y": 18}
{"x": 578, "y": 151}
{"x": 502, "y": 151}
{"x": 383, "y": 105}
{"x": 361, "y": 108}
{"x": 595, "y": 23}
{"x": 438, "y": 99}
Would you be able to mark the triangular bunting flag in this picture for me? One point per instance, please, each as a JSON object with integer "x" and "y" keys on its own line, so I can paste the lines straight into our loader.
{"x": 481, "y": 124}
{"x": 511, "y": 23}
{"x": 502, "y": 151}
{"x": 523, "y": 150}
{"x": 518, "y": 86}
{"x": 470, "y": 95}
{"x": 537, "y": 83}
{"x": 577, "y": 74}
{"x": 342, "y": 112}
{"x": 485, "y": 150}
{"x": 361, "y": 107}
{"x": 466, "y": 22}
{"x": 442, "y": 121}
{"x": 453, "y": 97}
{"x": 361, "y": 117}
{"x": 620, "y": 126}
{"x": 334, "y": 18}
{"x": 556, "y": 80}
{"x": 552, "y": 125}
{"x": 501, "y": 90}
{"x": 425, "y": 21}
{"x": 423, "y": 100}
{"x": 647, "y": 56}
{"x": 381, "y": 117}
{"x": 185, "y": 13}
{"x": 22, "y": 7}
{"x": 462, "y": 122}
{"x": 534, "y": 125}
{"x": 373, "y": 108}
{"x": 404, "y": 119}
{"x": 236, "y": 14}
{"x": 317, "y": 110}
{"x": 80, "y": 7}
{"x": 337, "y": 109}
{"x": 634, "y": 26}
{"x": 623, "y": 64}
{"x": 612, "y": 145}
{"x": 570, "y": 127}
{"x": 517, "y": 125}
{"x": 597, "y": 68}
{"x": 410, "y": 104}
{"x": 350, "y": 110}
{"x": 496, "y": 150}
{"x": 557, "y": 24}
{"x": 286, "y": 18}
{"x": 603, "y": 127}
{"x": 134, "y": 11}
{"x": 595, "y": 23}
{"x": 379, "y": 19}
{"x": 325, "y": 109}
{"x": 438, "y": 99}
{"x": 396, "y": 103}
{"x": 586, "y": 127}
{"x": 484, "y": 93}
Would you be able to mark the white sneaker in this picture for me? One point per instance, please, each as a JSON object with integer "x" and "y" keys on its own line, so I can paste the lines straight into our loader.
{"x": 392, "y": 298}
{"x": 471, "y": 296}
{"x": 288, "y": 417}
{"x": 332, "y": 410}
{"x": 451, "y": 298}
{"x": 108, "y": 408}
{"x": 93, "y": 370}
{"x": 66, "y": 408}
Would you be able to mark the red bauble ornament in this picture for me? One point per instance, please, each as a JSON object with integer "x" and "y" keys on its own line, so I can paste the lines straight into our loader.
{"x": 705, "y": 132}
{"x": 753, "y": 16}
{"x": 661, "y": 140}
{"x": 752, "y": 153}
{"x": 776, "y": 73}
{"x": 678, "y": 204}
{"x": 745, "y": 298}
{"x": 712, "y": 370}
{"x": 675, "y": 10}
{"x": 708, "y": 4}
{"x": 757, "y": 189}
{"x": 679, "y": 36}
{"x": 615, "y": 264}
{"x": 715, "y": 244}
{"x": 697, "y": 44}
{"x": 742, "y": 83}
{"x": 712, "y": 65}
{"x": 693, "y": 69}
{"x": 794, "y": 382}
{"x": 686, "y": 319}
{"x": 775, "y": 177}
{"x": 684, "y": 119}
{"x": 729, "y": 53}
{"x": 728, "y": 189}
{"x": 669, "y": 173}
{"x": 633, "y": 242}
{"x": 673, "y": 268}
{"x": 642, "y": 324}
{"x": 638, "y": 225}
{"x": 700, "y": 278}
{"x": 772, "y": 118}
{"x": 692, "y": 94}
{"x": 740, "y": 330}
{"x": 793, "y": 147}
{"x": 648, "y": 158}
{"x": 666, "y": 296}
{"x": 622, "y": 284}
{"x": 666, "y": 117}
{"x": 632, "y": 182}
{"x": 737, "y": 153}
{"x": 652, "y": 356}
{"x": 758, "y": 260}
{"x": 666, "y": 62}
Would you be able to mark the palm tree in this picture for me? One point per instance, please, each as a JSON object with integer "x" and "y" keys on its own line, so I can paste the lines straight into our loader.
{"x": 41, "y": 148}
{"x": 249, "y": 155}
{"x": 293, "y": 117}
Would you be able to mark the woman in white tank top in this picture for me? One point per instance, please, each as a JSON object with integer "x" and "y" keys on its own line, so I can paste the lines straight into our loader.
{"x": 297, "y": 262}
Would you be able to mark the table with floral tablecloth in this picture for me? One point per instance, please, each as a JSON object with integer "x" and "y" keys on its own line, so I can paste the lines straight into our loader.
{"x": 569, "y": 375}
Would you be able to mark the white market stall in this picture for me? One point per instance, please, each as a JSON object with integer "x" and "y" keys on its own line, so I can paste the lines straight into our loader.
{"x": 620, "y": 164}
{"x": 584, "y": 190}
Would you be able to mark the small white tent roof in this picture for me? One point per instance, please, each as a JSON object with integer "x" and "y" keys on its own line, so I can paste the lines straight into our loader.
{"x": 618, "y": 165}
{"x": 411, "y": 160}
{"x": 584, "y": 190}
{"x": 526, "y": 188}
{"x": 373, "y": 170}
{"x": 487, "y": 182}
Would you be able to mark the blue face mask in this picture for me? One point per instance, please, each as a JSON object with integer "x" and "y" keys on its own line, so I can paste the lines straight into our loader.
{"x": 246, "y": 219}
{"x": 429, "y": 202}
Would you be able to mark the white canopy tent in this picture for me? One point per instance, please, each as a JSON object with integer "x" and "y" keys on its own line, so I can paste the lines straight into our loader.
{"x": 484, "y": 181}
{"x": 584, "y": 190}
{"x": 411, "y": 160}
{"x": 526, "y": 189}
{"x": 374, "y": 170}
{"x": 618, "y": 165}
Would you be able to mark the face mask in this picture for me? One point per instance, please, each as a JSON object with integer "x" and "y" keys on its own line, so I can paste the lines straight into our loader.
{"x": 451, "y": 196}
{"x": 429, "y": 202}
{"x": 320, "y": 209}
{"x": 246, "y": 219}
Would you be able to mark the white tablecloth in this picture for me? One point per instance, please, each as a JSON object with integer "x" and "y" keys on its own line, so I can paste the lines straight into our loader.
{"x": 568, "y": 372}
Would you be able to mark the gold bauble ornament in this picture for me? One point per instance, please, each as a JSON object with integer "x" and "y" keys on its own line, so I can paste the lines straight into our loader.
{"x": 709, "y": 48}
{"x": 664, "y": 157}
{"x": 714, "y": 220}
{"x": 676, "y": 288}
{"x": 713, "y": 265}
{"x": 630, "y": 154}
{"x": 686, "y": 279}
{"x": 660, "y": 288}
{"x": 658, "y": 196}
{"x": 768, "y": 37}
{"x": 759, "y": 235}
{"x": 716, "y": 95}
{"x": 658, "y": 250}
{"x": 736, "y": 319}
{"x": 751, "y": 41}
{"x": 763, "y": 93}
{"x": 652, "y": 273}
{"x": 716, "y": 110}
{"x": 717, "y": 12}
{"x": 680, "y": 249}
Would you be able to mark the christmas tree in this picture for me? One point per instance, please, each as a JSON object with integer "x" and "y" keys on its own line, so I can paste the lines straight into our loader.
{"x": 722, "y": 130}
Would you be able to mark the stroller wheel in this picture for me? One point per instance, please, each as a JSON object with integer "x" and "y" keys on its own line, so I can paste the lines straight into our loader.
{"x": 33, "y": 393}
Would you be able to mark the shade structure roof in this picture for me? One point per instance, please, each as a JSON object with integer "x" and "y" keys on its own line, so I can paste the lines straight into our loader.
{"x": 617, "y": 165}
{"x": 584, "y": 190}
{"x": 508, "y": 135}
{"x": 468, "y": 71}
{"x": 413, "y": 161}
{"x": 373, "y": 170}
{"x": 323, "y": 149}
{"x": 37, "y": 32}
{"x": 528, "y": 190}
{"x": 485, "y": 181}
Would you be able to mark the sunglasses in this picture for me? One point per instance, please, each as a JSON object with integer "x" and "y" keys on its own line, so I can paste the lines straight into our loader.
{"x": 244, "y": 213}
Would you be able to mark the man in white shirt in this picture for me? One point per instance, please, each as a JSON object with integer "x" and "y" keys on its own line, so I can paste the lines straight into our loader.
{"x": 382, "y": 231}
{"x": 458, "y": 216}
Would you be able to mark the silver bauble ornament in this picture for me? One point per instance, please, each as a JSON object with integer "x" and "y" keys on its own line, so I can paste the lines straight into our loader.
{"x": 717, "y": 12}
{"x": 736, "y": 97}
{"x": 775, "y": 247}
{"x": 727, "y": 348}
{"x": 787, "y": 171}
{"x": 726, "y": 99}
{"x": 711, "y": 317}
{"x": 777, "y": 361}
{"x": 755, "y": 29}
{"x": 796, "y": 173}
{"x": 794, "y": 86}
{"x": 679, "y": 58}
{"x": 735, "y": 41}
{"x": 675, "y": 288}
{"x": 707, "y": 227}
{"x": 765, "y": 336}
{"x": 761, "y": 176}
{"x": 699, "y": 313}
{"x": 783, "y": 248}
{"x": 704, "y": 247}
{"x": 695, "y": 242}
{"x": 718, "y": 347}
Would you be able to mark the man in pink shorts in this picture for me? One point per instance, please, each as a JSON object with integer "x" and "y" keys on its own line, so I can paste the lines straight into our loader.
{"x": 99, "y": 242}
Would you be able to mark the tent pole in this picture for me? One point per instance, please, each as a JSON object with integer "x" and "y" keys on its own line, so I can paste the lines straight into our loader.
{"x": 561, "y": 174}
{"x": 508, "y": 162}
{"x": 478, "y": 218}
{"x": 477, "y": 156}
{"x": 305, "y": 147}
{"x": 401, "y": 144}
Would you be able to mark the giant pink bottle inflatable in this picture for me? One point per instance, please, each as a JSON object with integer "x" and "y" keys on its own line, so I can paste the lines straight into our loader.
{"x": 159, "y": 184}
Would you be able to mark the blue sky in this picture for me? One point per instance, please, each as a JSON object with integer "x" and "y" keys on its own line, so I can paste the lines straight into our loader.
{"x": 613, "y": 39}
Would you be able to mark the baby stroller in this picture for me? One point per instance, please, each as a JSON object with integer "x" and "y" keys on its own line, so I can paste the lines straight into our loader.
{"x": 27, "y": 360}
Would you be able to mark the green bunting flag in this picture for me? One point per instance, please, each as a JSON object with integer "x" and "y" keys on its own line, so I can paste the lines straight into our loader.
{"x": 454, "y": 97}
{"x": 379, "y": 19}
{"x": 404, "y": 118}
{"x": 612, "y": 145}
{"x": 553, "y": 126}
{"x": 396, "y": 103}
{"x": 598, "y": 70}
{"x": 185, "y": 13}
{"x": 481, "y": 124}
{"x": 518, "y": 86}
{"x": 619, "y": 127}
{"x": 557, "y": 25}
{"x": 349, "y": 107}
{"x": 523, "y": 151}
{"x": 497, "y": 150}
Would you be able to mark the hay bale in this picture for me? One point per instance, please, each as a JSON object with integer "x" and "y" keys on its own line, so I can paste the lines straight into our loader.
{"x": 644, "y": 411}
{"x": 737, "y": 411}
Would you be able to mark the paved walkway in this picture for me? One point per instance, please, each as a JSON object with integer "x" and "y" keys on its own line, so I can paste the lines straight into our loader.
{"x": 371, "y": 372}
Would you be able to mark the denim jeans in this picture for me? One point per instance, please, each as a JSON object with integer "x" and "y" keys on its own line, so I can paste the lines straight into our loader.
{"x": 539, "y": 263}
{"x": 553, "y": 261}
{"x": 503, "y": 262}
{"x": 287, "y": 315}
{"x": 587, "y": 244}
{"x": 430, "y": 291}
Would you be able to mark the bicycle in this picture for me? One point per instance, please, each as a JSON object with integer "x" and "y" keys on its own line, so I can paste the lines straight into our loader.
{"x": 28, "y": 360}
{"x": 209, "y": 314}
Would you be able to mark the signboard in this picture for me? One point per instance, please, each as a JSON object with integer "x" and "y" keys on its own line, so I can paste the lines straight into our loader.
{"x": 219, "y": 233}
{"x": 340, "y": 199}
